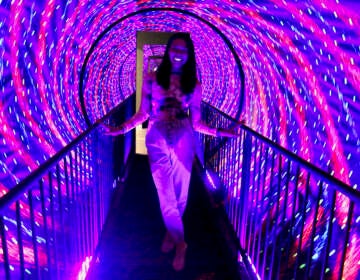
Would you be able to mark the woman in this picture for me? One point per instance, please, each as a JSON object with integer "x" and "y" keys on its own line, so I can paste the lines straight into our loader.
{"x": 171, "y": 101}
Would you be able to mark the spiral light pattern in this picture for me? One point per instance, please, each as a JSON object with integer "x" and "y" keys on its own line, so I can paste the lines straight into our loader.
{"x": 300, "y": 60}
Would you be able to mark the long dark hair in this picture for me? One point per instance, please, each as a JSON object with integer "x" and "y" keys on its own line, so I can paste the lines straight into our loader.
{"x": 188, "y": 77}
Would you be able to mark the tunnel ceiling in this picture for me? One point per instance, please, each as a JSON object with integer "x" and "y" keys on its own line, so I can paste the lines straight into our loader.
{"x": 110, "y": 67}
{"x": 300, "y": 61}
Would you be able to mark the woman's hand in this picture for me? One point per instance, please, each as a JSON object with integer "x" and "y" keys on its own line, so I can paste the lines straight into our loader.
{"x": 112, "y": 131}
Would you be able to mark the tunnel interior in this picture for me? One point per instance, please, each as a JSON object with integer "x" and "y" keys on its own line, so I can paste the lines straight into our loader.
{"x": 290, "y": 69}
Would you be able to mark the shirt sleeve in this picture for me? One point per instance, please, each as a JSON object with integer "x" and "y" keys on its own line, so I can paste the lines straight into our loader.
{"x": 145, "y": 106}
{"x": 195, "y": 113}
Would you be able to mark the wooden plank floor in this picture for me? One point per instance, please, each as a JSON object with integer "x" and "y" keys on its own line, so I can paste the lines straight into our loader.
{"x": 132, "y": 236}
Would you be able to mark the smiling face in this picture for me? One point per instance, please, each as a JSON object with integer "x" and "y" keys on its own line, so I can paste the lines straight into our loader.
{"x": 178, "y": 54}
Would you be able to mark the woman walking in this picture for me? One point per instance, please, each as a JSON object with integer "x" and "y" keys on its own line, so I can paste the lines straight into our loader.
{"x": 171, "y": 100}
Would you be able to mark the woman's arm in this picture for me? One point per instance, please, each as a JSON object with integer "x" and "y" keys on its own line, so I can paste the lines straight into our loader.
{"x": 140, "y": 116}
{"x": 198, "y": 124}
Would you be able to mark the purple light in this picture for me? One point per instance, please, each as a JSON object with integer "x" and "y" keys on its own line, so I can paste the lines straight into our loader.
{"x": 300, "y": 58}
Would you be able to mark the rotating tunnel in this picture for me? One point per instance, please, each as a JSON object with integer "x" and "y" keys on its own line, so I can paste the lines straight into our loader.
{"x": 290, "y": 69}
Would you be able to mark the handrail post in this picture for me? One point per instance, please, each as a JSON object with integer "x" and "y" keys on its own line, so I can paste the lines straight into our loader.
{"x": 245, "y": 181}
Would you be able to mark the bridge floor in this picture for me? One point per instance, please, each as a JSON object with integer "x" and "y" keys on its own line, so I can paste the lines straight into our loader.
{"x": 132, "y": 236}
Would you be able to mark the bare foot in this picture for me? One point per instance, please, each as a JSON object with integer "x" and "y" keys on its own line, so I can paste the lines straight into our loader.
{"x": 179, "y": 260}
{"x": 168, "y": 243}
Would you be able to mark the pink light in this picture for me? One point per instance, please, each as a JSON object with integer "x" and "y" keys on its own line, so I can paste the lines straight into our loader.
{"x": 84, "y": 269}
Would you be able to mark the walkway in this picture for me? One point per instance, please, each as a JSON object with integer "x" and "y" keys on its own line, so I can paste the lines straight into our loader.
{"x": 130, "y": 245}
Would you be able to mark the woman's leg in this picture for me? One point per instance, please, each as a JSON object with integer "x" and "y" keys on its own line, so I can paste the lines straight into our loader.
{"x": 182, "y": 160}
{"x": 162, "y": 172}
{"x": 171, "y": 169}
{"x": 183, "y": 156}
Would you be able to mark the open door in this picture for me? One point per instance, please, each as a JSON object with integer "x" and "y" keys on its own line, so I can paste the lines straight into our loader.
{"x": 150, "y": 47}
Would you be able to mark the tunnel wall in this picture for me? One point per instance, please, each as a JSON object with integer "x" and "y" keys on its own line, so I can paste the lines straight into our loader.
{"x": 300, "y": 61}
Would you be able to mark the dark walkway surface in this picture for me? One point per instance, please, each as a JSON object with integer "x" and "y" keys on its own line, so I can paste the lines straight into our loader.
{"x": 130, "y": 245}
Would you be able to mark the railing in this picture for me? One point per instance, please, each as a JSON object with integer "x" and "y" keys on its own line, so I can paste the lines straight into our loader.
{"x": 50, "y": 223}
{"x": 293, "y": 220}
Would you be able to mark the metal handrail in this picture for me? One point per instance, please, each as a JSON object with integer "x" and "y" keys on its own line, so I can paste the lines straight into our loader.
{"x": 280, "y": 204}
{"x": 59, "y": 210}
{"x": 23, "y": 186}
{"x": 339, "y": 185}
